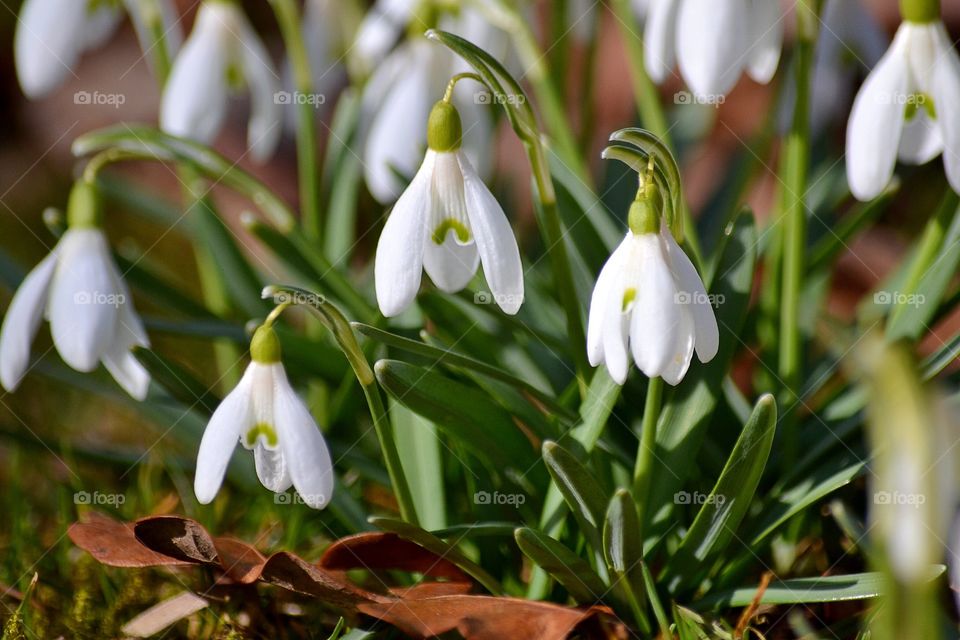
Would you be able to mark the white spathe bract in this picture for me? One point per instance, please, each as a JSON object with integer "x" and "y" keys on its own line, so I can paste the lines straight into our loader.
{"x": 650, "y": 299}
{"x": 51, "y": 35}
{"x": 714, "y": 42}
{"x": 447, "y": 222}
{"x": 266, "y": 416}
{"x": 222, "y": 47}
{"x": 908, "y": 107}
{"x": 91, "y": 314}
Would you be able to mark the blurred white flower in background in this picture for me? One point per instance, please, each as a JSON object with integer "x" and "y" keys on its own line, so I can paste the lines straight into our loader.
{"x": 379, "y": 31}
{"x": 397, "y": 101}
{"x": 80, "y": 290}
{"x": 223, "y": 54}
{"x": 713, "y": 42}
{"x": 51, "y": 35}
{"x": 445, "y": 223}
{"x": 908, "y": 107}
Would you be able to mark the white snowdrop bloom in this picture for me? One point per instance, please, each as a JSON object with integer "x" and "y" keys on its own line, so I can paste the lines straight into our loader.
{"x": 80, "y": 290}
{"x": 51, "y": 35}
{"x": 266, "y": 416}
{"x": 908, "y": 107}
{"x": 446, "y": 223}
{"x": 379, "y": 31}
{"x": 650, "y": 299}
{"x": 222, "y": 51}
{"x": 713, "y": 41}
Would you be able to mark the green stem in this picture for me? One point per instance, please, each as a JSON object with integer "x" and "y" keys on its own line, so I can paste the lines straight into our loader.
{"x": 346, "y": 339}
{"x": 648, "y": 442}
{"x": 796, "y": 160}
{"x": 159, "y": 51}
{"x": 307, "y": 157}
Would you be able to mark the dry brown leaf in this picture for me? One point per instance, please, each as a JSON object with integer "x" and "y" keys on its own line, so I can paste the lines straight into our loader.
{"x": 388, "y": 551}
{"x": 114, "y": 543}
{"x": 176, "y": 537}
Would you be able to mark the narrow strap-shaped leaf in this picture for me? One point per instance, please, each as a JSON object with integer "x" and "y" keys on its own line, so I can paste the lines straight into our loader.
{"x": 623, "y": 550}
{"x": 579, "y": 488}
{"x": 569, "y": 569}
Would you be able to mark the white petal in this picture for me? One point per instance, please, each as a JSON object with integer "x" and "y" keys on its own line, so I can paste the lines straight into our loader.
{"x": 119, "y": 361}
{"x": 380, "y": 29}
{"x": 601, "y": 302}
{"x": 450, "y": 265}
{"x": 232, "y": 417}
{"x": 272, "y": 468}
{"x": 616, "y": 332}
{"x": 921, "y": 140}
{"x": 399, "y": 261}
{"x": 83, "y": 298}
{"x": 655, "y": 320}
{"x": 689, "y": 282}
{"x": 766, "y": 18}
{"x": 21, "y": 322}
{"x": 142, "y": 15}
{"x": 303, "y": 446}
{"x": 876, "y": 123}
{"x": 399, "y": 129}
{"x": 194, "y": 102}
{"x": 659, "y": 39}
{"x": 266, "y": 117}
{"x": 682, "y": 348}
{"x": 946, "y": 97}
{"x": 47, "y": 43}
{"x": 712, "y": 39}
{"x": 495, "y": 241}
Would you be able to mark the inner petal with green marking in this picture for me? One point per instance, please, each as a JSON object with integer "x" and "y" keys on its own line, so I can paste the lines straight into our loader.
{"x": 918, "y": 101}
{"x": 628, "y": 297}
{"x": 447, "y": 225}
{"x": 261, "y": 429}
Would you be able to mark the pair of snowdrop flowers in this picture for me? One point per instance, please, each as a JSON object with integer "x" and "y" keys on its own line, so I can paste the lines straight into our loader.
{"x": 649, "y": 301}
{"x": 52, "y": 34}
{"x": 909, "y": 105}
{"x": 266, "y": 416}
{"x": 713, "y": 42}
{"x": 80, "y": 290}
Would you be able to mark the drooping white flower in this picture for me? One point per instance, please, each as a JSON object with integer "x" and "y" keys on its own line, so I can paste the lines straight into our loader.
{"x": 713, "y": 41}
{"x": 51, "y": 35}
{"x": 908, "y": 108}
{"x": 649, "y": 301}
{"x": 80, "y": 290}
{"x": 266, "y": 416}
{"x": 379, "y": 31}
{"x": 446, "y": 222}
{"x": 222, "y": 49}
{"x": 397, "y": 100}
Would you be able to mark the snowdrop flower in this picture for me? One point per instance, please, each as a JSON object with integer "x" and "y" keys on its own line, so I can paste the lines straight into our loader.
{"x": 908, "y": 107}
{"x": 266, "y": 416}
{"x": 52, "y": 34}
{"x": 396, "y": 103}
{"x": 650, "y": 298}
{"x": 446, "y": 222}
{"x": 80, "y": 290}
{"x": 222, "y": 50}
{"x": 380, "y": 29}
{"x": 713, "y": 41}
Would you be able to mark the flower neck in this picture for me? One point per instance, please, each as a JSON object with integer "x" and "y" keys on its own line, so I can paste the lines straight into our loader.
{"x": 920, "y": 11}
{"x": 644, "y": 214}
{"x": 83, "y": 207}
{"x": 265, "y": 346}
{"x": 444, "y": 129}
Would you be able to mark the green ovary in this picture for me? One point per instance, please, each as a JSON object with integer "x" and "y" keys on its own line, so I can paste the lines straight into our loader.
{"x": 261, "y": 429}
{"x": 451, "y": 224}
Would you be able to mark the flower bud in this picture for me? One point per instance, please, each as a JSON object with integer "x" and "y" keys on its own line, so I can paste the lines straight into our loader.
{"x": 444, "y": 130}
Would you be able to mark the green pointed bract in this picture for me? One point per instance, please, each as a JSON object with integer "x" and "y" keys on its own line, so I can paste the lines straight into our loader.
{"x": 444, "y": 129}
{"x": 920, "y": 11}
{"x": 83, "y": 208}
{"x": 265, "y": 346}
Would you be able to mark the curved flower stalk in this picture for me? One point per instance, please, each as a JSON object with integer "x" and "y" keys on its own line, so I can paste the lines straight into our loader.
{"x": 397, "y": 101}
{"x": 649, "y": 300}
{"x": 908, "y": 107}
{"x": 713, "y": 42}
{"x": 222, "y": 50}
{"x": 52, "y": 35}
{"x": 266, "y": 416}
{"x": 446, "y": 222}
{"x": 81, "y": 292}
